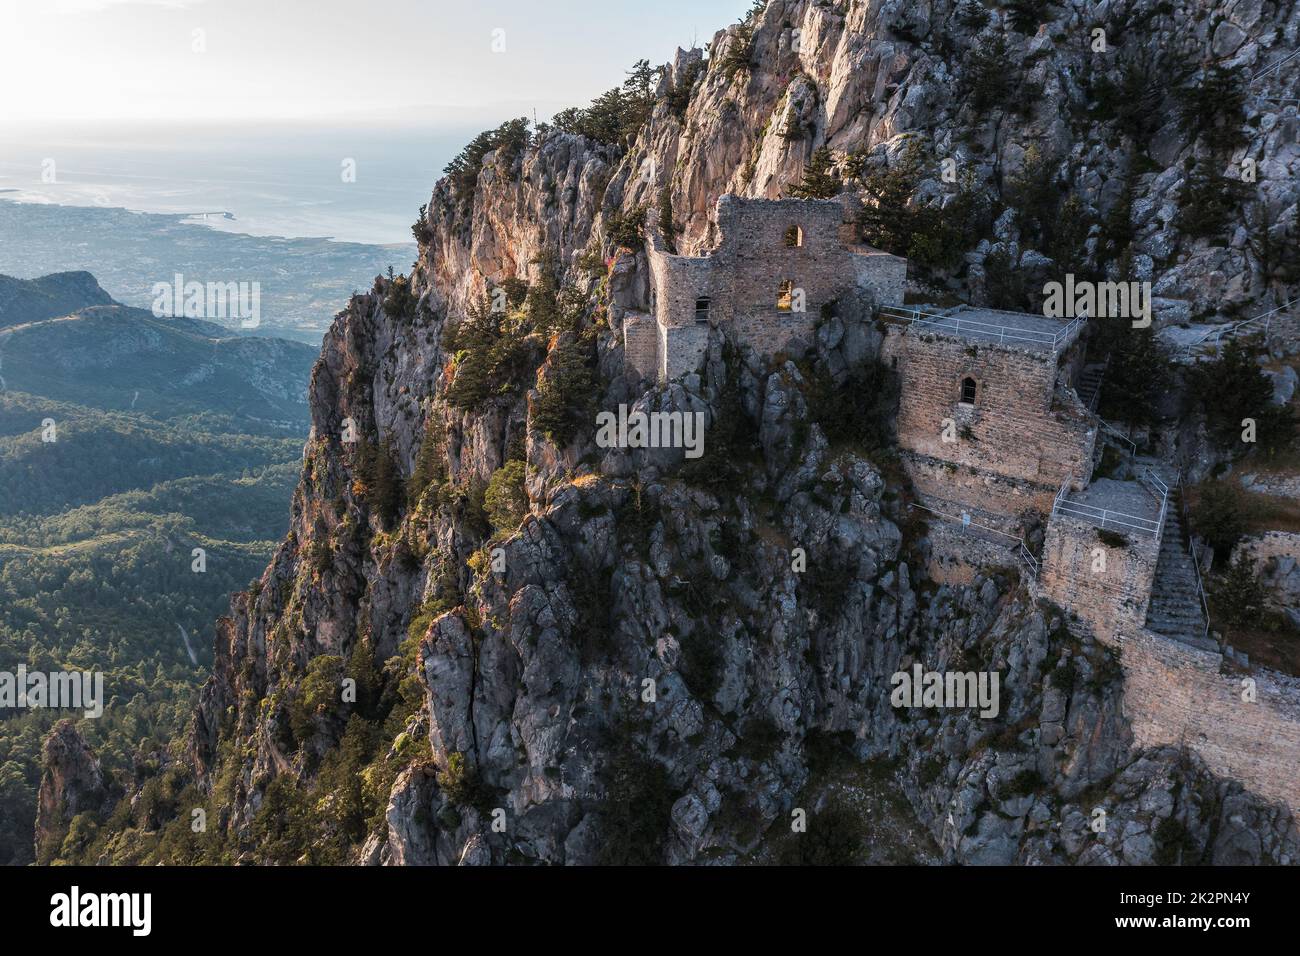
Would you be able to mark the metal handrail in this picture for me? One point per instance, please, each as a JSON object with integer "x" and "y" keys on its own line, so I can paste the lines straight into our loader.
{"x": 953, "y": 323}
{"x": 1274, "y": 65}
{"x": 1023, "y": 548}
{"x": 1106, "y": 517}
{"x": 1163, "y": 495}
{"x": 1117, "y": 433}
{"x": 1218, "y": 333}
{"x": 1196, "y": 561}
{"x": 1063, "y": 506}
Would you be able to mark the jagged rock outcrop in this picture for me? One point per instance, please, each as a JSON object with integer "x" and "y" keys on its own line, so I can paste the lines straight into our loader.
{"x": 71, "y": 784}
{"x": 663, "y": 660}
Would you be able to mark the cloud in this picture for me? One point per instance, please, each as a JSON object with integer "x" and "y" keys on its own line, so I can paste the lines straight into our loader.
{"x": 95, "y": 6}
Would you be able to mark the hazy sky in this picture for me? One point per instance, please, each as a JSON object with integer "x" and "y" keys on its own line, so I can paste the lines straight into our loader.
{"x": 73, "y": 61}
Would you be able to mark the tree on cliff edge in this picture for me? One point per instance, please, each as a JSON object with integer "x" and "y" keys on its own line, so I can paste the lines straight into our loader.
{"x": 819, "y": 178}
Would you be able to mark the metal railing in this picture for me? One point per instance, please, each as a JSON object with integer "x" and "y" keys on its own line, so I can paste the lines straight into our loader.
{"x": 1118, "y": 434}
{"x": 1196, "y": 561}
{"x": 1096, "y": 392}
{"x": 1214, "y": 336}
{"x": 1022, "y": 548}
{"x": 1159, "y": 490}
{"x": 1110, "y": 519}
{"x": 1276, "y": 64}
{"x": 952, "y": 322}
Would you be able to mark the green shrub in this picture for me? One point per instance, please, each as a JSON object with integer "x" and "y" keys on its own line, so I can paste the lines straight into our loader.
{"x": 566, "y": 395}
{"x": 318, "y": 697}
{"x": 986, "y": 75}
{"x": 1231, "y": 389}
{"x": 505, "y": 500}
{"x": 858, "y": 410}
{"x": 739, "y": 53}
{"x": 1208, "y": 202}
{"x": 1220, "y": 516}
{"x": 508, "y": 138}
{"x": 637, "y": 810}
{"x": 1239, "y": 596}
{"x": 459, "y": 781}
{"x": 626, "y": 231}
{"x": 1214, "y": 108}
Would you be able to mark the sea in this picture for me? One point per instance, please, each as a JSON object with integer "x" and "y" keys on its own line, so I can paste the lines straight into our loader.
{"x": 310, "y": 213}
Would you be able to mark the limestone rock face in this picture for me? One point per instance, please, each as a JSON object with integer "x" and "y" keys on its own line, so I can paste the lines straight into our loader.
{"x": 665, "y": 659}
{"x": 71, "y": 784}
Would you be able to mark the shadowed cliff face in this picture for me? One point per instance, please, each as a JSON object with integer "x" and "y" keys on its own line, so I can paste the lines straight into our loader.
{"x": 610, "y": 655}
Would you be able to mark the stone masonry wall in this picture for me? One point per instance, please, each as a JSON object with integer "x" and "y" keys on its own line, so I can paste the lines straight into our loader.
{"x": 681, "y": 349}
{"x": 956, "y": 556}
{"x": 641, "y": 344}
{"x": 1110, "y": 601}
{"x": 993, "y": 499}
{"x": 1176, "y": 694}
{"x": 1021, "y": 425}
{"x": 742, "y": 278}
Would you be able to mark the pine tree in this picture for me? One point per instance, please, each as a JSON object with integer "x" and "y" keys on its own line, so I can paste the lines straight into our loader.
{"x": 887, "y": 220}
{"x": 1231, "y": 389}
{"x": 385, "y": 491}
{"x": 987, "y": 72}
{"x": 1207, "y": 202}
{"x": 1137, "y": 377}
{"x": 819, "y": 178}
{"x": 1215, "y": 108}
{"x": 429, "y": 467}
{"x": 972, "y": 15}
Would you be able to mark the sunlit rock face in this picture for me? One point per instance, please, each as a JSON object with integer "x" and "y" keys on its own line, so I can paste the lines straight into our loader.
{"x": 656, "y": 661}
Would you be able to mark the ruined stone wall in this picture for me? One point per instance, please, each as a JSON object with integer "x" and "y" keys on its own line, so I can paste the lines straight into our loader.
{"x": 1177, "y": 694}
{"x": 677, "y": 282}
{"x": 881, "y": 274}
{"x": 1020, "y": 426}
{"x": 641, "y": 344}
{"x": 767, "y": 335}
{"x": 681, "y": 349}
{"x": 1110, "y": 601}
{"x": 990, "y": 498}
{"x": 742, "y": 278}
{"x": 956, "y": 556}
{"x": 753, "y": 251}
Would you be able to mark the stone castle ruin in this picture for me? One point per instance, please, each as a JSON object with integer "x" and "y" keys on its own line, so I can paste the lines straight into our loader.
{"x": 777, "y": 266}
{"x": 998, "y": 434}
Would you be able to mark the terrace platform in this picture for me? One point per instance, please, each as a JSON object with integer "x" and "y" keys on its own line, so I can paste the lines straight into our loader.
{"x": 1026, "y": 330}
{"x": 1121, "y": 506}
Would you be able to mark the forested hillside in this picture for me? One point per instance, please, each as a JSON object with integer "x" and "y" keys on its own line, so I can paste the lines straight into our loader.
{"x": 126, "y": 443}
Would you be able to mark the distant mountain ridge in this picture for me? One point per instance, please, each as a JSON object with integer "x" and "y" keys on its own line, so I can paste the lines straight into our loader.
{"x": 63, "y": 337}
{"x": 32, "y": 300}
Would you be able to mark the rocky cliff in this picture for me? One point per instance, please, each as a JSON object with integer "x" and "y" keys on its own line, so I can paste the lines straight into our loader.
{"x": 488, "y": 640}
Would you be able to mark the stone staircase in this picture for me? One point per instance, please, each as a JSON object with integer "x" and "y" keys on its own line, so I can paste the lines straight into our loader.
{"x": 1088, "y": 387}
{"x": 1175, "y": 608}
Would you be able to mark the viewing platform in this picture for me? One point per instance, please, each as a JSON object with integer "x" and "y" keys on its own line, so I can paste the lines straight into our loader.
{"x": 1037, "y": 333}
{"x": 1121, "y": 506}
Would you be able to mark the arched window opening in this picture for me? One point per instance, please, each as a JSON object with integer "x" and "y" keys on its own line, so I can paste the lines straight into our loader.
{"x": 794, "y": 237}
{"x": 968, "y": 391}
